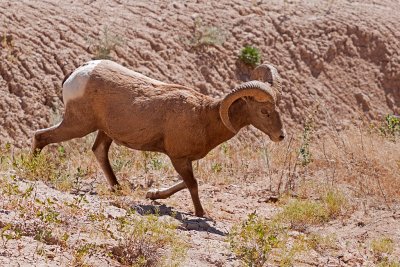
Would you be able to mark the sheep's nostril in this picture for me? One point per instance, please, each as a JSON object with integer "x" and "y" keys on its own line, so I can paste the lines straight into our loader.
{"x": 282, "y": 135}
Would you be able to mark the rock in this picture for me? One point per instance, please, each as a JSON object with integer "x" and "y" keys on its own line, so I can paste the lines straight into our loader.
{"x": 272, "y": 199}
{"x": 363, "y": 100}
{"x": 114, "y": 212}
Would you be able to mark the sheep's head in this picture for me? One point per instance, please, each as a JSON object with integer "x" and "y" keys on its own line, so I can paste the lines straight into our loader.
{"x": 261, "y": 96}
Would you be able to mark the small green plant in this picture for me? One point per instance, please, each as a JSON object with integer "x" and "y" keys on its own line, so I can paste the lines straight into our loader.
{"x": 156, "y": 164}
{"x": 43, "y": 235}
{"x": 48, "y": 214}
{"x": 151, "y": 161}
{"x": 8, "y": 233}
{"x": 216, "y": 167}
{"x": 321, "y": 243}
{"x": 5, "y": 156}
{"x": 44, "y": 166}
{"x": 302, "y": 213}
{"x": 288, "y": 252}
{"x": 206, "y": 35}
{"x": 144, "y": 241}
{"x": 304, "y": 151}
{"x": 12, "y": 188}
{"x": 382, "y": 245}
{"x": 335, "y": 202}
{"x": 382, "y": 248}
{"x": 257, "y": 241}
{"x": 83, "y": 251}
{"x": 225, "y": 148}
{"x": 391, "y": 126}
{"x": 254, "y": 239}
{"x": 250, "y": 55}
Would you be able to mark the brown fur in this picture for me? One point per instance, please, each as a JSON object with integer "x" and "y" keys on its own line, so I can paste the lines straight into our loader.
{"x": 146, "y": 114}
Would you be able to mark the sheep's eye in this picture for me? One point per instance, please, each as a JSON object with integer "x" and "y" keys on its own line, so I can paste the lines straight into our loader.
{"x": 265, "y": 112}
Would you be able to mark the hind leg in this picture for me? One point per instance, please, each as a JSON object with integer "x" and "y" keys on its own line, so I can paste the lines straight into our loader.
{"x": 165, "y": 192}
{"x": 67, "y": 129}
{"x": 100, "y": 149}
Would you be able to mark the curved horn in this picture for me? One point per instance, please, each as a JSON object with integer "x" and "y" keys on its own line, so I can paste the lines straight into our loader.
{"x": 262, "y": 92}
{"x": 268, "y": 73}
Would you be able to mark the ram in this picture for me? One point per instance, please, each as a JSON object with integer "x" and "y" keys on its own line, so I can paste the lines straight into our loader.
{"x": 145, "y": 114}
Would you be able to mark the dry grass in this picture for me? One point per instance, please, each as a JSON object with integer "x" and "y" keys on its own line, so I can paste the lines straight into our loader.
{"x": 382, "y": 249}
{"x": 365, "y": 160}
{"x": 360, "y": 158}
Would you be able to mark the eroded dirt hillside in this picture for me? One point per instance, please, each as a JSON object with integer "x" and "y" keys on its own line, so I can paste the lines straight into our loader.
{"x": 341, "y": 54}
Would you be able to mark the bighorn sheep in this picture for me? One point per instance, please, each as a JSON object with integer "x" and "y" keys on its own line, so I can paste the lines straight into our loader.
{"x": 145, "y": 114}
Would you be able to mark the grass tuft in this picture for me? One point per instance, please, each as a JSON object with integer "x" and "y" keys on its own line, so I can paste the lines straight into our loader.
{"x": 148, "y": 241}
{"x": 206, "y": 35}
{"x": 303, "y": 213}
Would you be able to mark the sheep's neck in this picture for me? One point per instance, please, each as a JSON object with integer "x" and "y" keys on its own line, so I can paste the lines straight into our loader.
{"x": 239, "y": 119}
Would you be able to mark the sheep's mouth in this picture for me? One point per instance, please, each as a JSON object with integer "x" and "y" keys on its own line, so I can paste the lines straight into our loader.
{"x": 276, "y": 138}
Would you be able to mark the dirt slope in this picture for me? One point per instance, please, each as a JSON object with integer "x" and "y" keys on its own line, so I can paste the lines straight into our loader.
{"x": 342, "y": 54}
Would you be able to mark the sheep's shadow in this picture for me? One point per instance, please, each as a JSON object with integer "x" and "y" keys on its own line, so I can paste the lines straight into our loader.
{"x": 189, "y": 222}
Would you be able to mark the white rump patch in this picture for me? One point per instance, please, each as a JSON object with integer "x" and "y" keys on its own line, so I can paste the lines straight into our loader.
{"x": 74, "y": 86}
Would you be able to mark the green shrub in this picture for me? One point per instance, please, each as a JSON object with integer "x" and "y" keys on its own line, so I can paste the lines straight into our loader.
{"x": 40, "y": 167}
{"x": 253, "y": 240}
{"x": 250, "y": 55}
{"x": 302, "y": 213}
{"x": 148, "y": 241}
{"x": 335, "y": 202}
{"x": 391, "y": 126}
{"x": 257, "y": 241}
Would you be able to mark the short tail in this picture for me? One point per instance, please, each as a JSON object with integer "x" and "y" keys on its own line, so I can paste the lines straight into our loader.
{"x": 65, "y": 78}
{"x": 63, "y": 81}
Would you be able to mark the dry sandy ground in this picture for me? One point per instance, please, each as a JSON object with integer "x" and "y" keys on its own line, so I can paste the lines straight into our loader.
{"x": 207, "y": 239}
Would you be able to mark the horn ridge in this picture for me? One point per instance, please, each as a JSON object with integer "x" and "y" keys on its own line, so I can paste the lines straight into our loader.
{"x": 262, "y": 92}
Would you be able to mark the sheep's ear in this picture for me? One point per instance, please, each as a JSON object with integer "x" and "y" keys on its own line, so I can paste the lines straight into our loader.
{"x": 261, "y": 92}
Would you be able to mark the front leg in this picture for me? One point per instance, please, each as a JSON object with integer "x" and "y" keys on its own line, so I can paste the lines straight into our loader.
{"x": 166, "y": 192}
{"x": 100, "y": 149}
{"x": 185, "y": 170}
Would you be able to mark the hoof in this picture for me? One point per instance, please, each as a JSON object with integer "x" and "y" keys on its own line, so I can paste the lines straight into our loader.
{"x": 201, "y": 214}
{"x": 152, "y": 194}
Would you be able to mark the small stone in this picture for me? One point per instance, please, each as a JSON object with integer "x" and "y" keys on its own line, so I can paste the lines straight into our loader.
{"x": 50, "y": 255}
{"x": 364, "y": 100}
{"x": 347, "y": 257}
{"x": 176, "y": 5}
{"x": 268, "y": 199}
{"x": 360, "y": 224}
